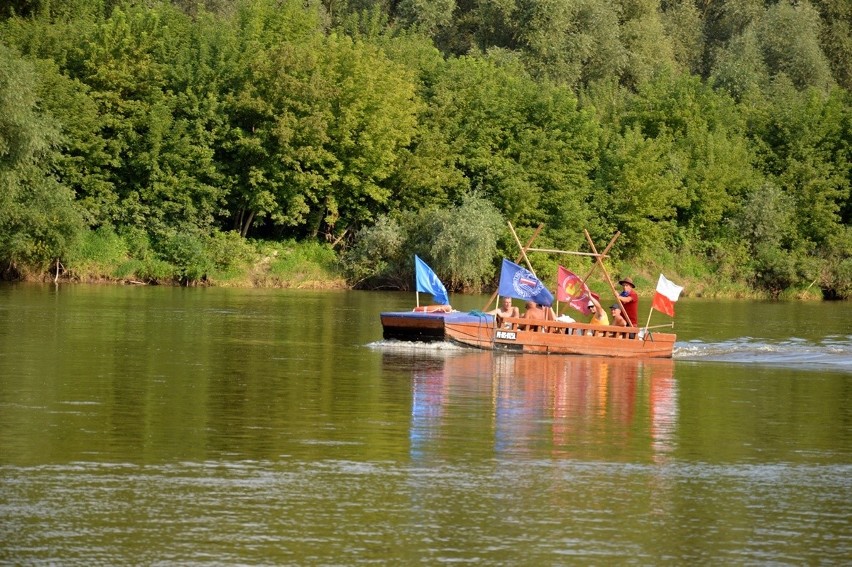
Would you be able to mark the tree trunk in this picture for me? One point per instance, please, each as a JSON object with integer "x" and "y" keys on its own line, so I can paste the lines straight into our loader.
{"x": 247, "y": 224}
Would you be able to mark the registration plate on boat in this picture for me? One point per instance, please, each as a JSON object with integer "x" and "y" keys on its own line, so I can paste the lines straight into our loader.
{"x": 507, "y": 335}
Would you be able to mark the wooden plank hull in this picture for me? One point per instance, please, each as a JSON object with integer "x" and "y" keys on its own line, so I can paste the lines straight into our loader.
{"x": 553, "y": 337}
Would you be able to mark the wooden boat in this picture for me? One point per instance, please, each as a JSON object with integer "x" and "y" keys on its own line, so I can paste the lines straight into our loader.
{"x": 480, "y": 330}
{"x": 557, "y": 337}
{"x": 553, "y": 337}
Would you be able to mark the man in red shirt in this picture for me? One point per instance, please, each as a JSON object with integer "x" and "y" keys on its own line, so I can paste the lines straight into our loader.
{"x": 630, "y": 300}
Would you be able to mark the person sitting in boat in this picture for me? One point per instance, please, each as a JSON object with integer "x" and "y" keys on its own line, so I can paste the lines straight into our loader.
{"x": 506, "y": 309}
{"x": 599, "y": 316}
{"x": 433, "y": 308}
{"x": 617, "y": 318}
{"x": 533, "y": 312}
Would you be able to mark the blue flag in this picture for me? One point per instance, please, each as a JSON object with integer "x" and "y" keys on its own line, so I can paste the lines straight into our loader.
{"x": 520, "y": 283}
{"x": 428, "y": 282}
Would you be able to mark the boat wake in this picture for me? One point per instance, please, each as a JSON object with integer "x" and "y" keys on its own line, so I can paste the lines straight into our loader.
{"x": 833, "y": 352}
{"x": 414, "y": 346}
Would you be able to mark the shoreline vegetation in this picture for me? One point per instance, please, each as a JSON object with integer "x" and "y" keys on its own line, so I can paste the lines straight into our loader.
{"x": 292, "y": 265}
{"x": 324, "y": 143}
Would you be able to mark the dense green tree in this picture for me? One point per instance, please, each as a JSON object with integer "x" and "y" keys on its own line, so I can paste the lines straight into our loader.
{"x": 790, "y": 39}
{"x": 38, "y": 218}
{"x": 836, "y": 38}
{"x": 649, "y": 48}
{"x": 683, "y": 25}
{"x": 526, "y": 145}
{"x": 766, "y": 223}
{"x": 803, "y": 143}
{"x": 739, "y": 68}
{"x": 163, "y": 174}
{"x": 711, "y": 151}
{"x": 84, "y": 164}
{"x": 428, "y": 16}
{"x": 316, "y": 128}
{"x": 640, "y": 191}
{"x": 723, "y": 21}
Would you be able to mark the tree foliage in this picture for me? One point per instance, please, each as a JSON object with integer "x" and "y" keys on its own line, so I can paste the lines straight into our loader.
{"x": 721, "y": 128}
{"x": 38, "y": 218}
{"x": 458, "y": 242}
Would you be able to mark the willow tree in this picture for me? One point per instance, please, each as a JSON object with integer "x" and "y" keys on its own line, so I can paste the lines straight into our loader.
{"x": 38, "y": 219}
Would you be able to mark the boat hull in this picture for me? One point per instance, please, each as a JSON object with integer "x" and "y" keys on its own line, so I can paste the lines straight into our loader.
{"x": 426, "y": 326}
{"x": 552, "y": 337}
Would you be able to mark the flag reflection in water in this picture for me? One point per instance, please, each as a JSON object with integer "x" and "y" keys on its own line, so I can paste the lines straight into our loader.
{"x": 546, "y": 406}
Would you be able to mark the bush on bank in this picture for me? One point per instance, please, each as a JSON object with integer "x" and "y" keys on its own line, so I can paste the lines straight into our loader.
{"x": 190, "y": 258}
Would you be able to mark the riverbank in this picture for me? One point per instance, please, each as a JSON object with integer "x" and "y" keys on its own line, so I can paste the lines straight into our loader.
{"x": 231, "y": 261}
{"x": 298, "y": 267}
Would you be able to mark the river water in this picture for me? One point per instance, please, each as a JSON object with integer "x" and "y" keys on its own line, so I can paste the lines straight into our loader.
{"x": 150, "y": 425}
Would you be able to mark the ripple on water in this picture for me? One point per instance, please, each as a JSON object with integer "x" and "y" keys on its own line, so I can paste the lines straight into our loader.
{"x": 497, "y": 511}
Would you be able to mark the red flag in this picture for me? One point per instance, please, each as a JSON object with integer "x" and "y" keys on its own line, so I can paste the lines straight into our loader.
{"x": 665, "y": 296}
{"x": 570, "y": 288}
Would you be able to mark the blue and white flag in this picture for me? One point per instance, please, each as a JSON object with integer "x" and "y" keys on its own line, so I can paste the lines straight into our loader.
{"x": 520, "y": 283}
{"x": 428, "y": 282}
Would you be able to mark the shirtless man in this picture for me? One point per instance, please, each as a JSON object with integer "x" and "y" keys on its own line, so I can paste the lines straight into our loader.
{"x": 534, "y": 313}
{"x": 617, "y": 318}
{"x": 505, "y": 310}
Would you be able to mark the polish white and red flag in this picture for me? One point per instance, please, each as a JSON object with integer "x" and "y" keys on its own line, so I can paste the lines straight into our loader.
{"x": 666, "y": 295}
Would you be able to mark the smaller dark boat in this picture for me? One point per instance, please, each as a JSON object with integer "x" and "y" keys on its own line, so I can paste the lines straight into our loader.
{"x": 424, "y": 326}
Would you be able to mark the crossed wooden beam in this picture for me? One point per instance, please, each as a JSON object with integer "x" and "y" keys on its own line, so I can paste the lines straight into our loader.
{"x": 599, "y": 256}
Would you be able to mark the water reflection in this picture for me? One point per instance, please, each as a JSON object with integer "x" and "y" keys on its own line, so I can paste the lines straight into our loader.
{"x": 543, "y": 406}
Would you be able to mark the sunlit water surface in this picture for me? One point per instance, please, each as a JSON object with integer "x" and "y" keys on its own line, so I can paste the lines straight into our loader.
{"x": 202, "y": 426}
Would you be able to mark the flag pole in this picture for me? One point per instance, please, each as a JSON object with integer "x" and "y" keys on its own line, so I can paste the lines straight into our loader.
{"x": 606, "y": 274}
{"x": 523, "y": 248}
{"x": 529, "y": 243}
{"x": 602, "y": 254}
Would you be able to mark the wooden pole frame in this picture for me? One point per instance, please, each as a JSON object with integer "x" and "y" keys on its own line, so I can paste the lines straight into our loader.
{"x": 606, "y": 274}
{"x": 523, "y": 249}
{"x": 599, "y": 256}
{"x": 523, "y": 255}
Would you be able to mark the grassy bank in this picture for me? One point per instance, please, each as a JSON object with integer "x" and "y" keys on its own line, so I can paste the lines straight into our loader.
{"x": 224, "y": 260}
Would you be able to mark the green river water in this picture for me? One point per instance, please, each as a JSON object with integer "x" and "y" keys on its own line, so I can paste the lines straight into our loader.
{"x": 163, "y": 426}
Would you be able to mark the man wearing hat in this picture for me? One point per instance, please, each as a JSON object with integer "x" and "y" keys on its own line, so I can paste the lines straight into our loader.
{"x": 630, "y": 300}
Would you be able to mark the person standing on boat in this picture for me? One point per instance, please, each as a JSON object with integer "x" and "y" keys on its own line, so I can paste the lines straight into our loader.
{"x": 630, "y": 300}
{"x": 506, "y": 310}
{"x": 599, "y": 316}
